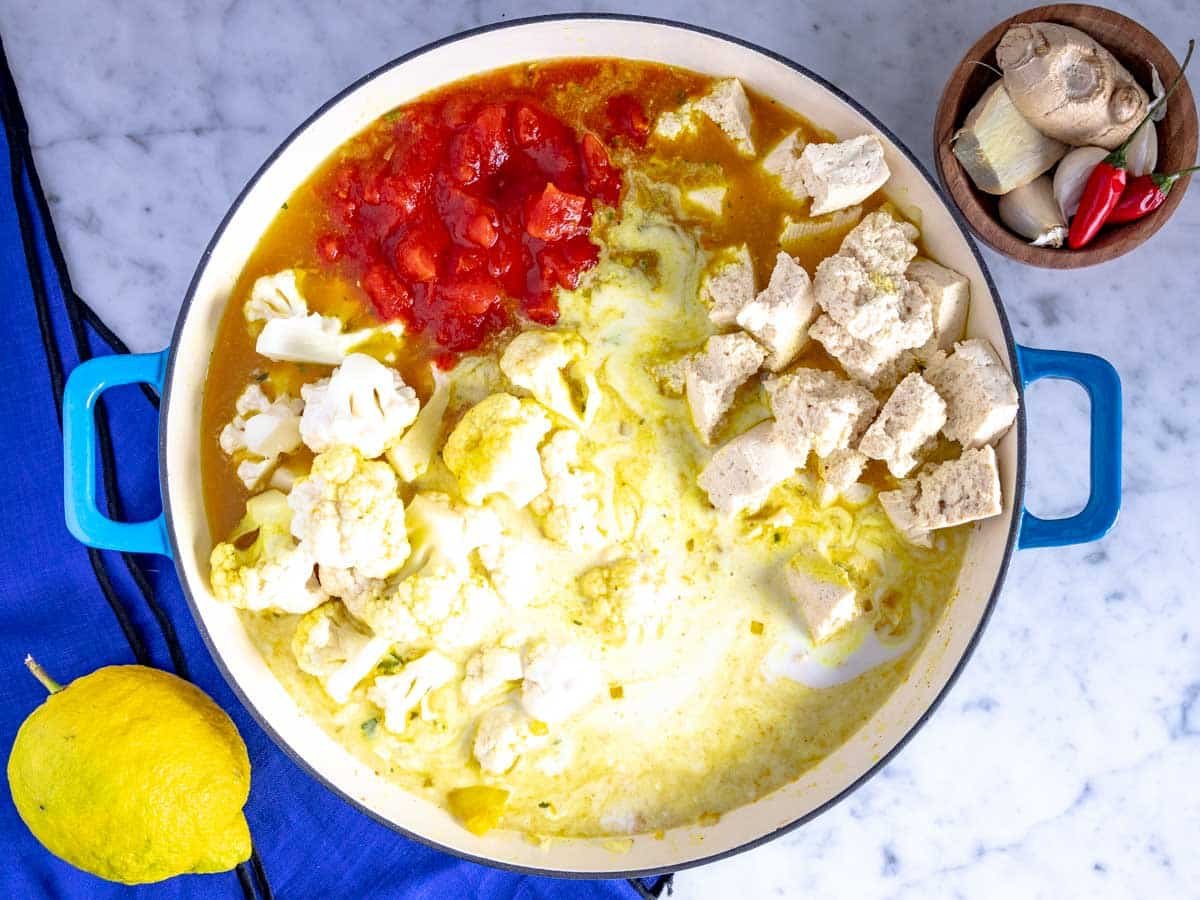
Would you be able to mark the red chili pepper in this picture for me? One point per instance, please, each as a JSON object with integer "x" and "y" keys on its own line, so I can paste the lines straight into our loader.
{"x": 1107, "y": 181}
{"x": 1144, "y": 195}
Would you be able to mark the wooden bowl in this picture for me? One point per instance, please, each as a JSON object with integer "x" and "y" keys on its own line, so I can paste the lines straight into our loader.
{"x": 1133, "y": 46}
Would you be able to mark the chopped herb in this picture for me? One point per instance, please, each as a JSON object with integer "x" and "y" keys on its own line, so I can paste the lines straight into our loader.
{"x": 391, "y": 662}
{"x": 284, "y": 205}
{"x": 260, "y": 376}
{"x": 544, "y": 805}
{"x": 369, "y": 727}
{"x": 576, "y": 622}
{"x": 393, "y": 115}
{"x": 778, "y": 537}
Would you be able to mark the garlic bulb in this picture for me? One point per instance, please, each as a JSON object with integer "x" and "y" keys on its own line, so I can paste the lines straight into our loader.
{"x": 1032, "y": 212}
{"x": 1142, "y": 155}
{"x": 1072, "y": 175}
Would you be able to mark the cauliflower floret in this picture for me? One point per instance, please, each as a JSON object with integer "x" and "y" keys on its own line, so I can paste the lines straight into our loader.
{"x": 261, "y": 432}
{"x": 494, "y": 450}
{"x": 364, "y": 405}
{"x": 398, "y": 695}
{"x": 502, "y": 735}
{"x": 571, "y": 509}
{"x": 410, "y": 456}
{"x": 560, "y": 680}
{"x": 329, "y": 645}
{"x": 343, "y": 583}
{"x": 453, "y": 608}
{"x": 509, "y": 563}
{"x": 548, "y": 365}
{"x": 435, "y": 597}
{"x": 623, "y": 598}
{"x": 275, "y": 297}
{"x": 273, "y": 572}
{"x": 348, "y": 513}
{"x": 291, "y": 333}
{"x": 439, "y": 527}
{"x": 489, "y": 672}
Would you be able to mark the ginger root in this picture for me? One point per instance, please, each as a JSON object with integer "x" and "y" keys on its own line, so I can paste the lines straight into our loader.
{"x": 1068, "y": 86}
{"x": 999, "y": 149}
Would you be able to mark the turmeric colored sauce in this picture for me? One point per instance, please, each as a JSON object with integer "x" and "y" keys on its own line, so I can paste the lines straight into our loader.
{"x": 446, "y": 216}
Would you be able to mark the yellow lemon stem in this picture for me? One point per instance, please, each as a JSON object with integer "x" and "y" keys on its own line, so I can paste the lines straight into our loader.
{"x": 42, "y": 675}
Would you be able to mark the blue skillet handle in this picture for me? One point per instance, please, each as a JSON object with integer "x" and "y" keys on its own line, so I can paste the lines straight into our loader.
{"x": 1103, "y": 386}
{"x": 84, "y": 519}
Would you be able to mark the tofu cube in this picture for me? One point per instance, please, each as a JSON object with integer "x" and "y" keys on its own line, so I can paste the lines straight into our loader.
{"x": 671, "y": 377}
{"x": 672, "y": 125}
{"x": 981, "y": 399}
{"x": 839, "y": 473}
{"x": 882, "y": 243}
{"x": 912, "y": 416}
{"x": 878, "y": 313}
{"x": 952, "y": 493}
{"x": 779, "y": 316}
{"x": 882, "y": 309}
{"x": 843, "y": 174}
{"x": 822, "y": 591}
{"x": 783, "y": 161}
{"x": 714, "y": 376}
{"x": 741, "y": 474}
{"x": 877, "y": 364}
{"x": 708, "y": 201}
{"x": 728, "y": 285}
{"x": 819, "y": 408}
{"x": 729, "y": 108}
{"x": 900, "y": 507}
{"x": 950, "y": 298}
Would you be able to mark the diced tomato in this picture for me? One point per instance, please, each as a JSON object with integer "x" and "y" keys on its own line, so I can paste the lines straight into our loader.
{"x": 506, "y": 254}
{"x": 527, "y": 128}
{"x": 541, "y": 306}
{"x": 464, "y": 261}
{"x": 389, "y": 294}
{"x": 418, "y": 253}
{"x": 482, "y": 147}
{"x": 549, "y": 145}
{"x": 472, "y": 294}
{"x": 469, "y": 219}
{"x": 600, "y": 178}
{"x": 564, "y": 262}
{"x": 460, "y": 213}
{"x": 627, "y": 117}
{"x": 404, "y": 192}
{"x": 481, "y": 231}
{"x": 555, "y": 215}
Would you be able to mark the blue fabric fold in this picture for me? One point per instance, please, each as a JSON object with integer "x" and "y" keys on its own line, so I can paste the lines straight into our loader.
{"x": 309, "y": 843}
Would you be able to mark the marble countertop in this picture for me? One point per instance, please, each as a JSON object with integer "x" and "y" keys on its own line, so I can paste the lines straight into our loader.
{"x": 1065, "y": 761}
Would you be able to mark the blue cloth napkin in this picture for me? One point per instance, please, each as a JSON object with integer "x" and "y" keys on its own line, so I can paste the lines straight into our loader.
{"x": 77, "y": 610}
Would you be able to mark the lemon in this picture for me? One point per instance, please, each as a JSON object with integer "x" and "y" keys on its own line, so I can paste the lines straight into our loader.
{"x": 134, "y": 775}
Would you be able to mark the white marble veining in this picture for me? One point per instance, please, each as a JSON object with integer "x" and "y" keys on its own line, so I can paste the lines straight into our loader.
{"x": 1065, "y": 761}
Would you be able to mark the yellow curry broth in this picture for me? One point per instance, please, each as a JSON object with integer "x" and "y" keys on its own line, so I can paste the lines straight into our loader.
{"x": 662, "y": 764}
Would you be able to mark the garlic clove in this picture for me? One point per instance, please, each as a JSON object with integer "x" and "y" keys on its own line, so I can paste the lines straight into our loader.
{"x": 1159, "y": 90}
{"x": 1142, "y": 155}
{"x": 1032, "y": 212}
{"x": 1072, "y": 175}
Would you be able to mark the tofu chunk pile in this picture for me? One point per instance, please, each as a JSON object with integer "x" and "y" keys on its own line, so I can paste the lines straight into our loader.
{"x": 891, "y": 320}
